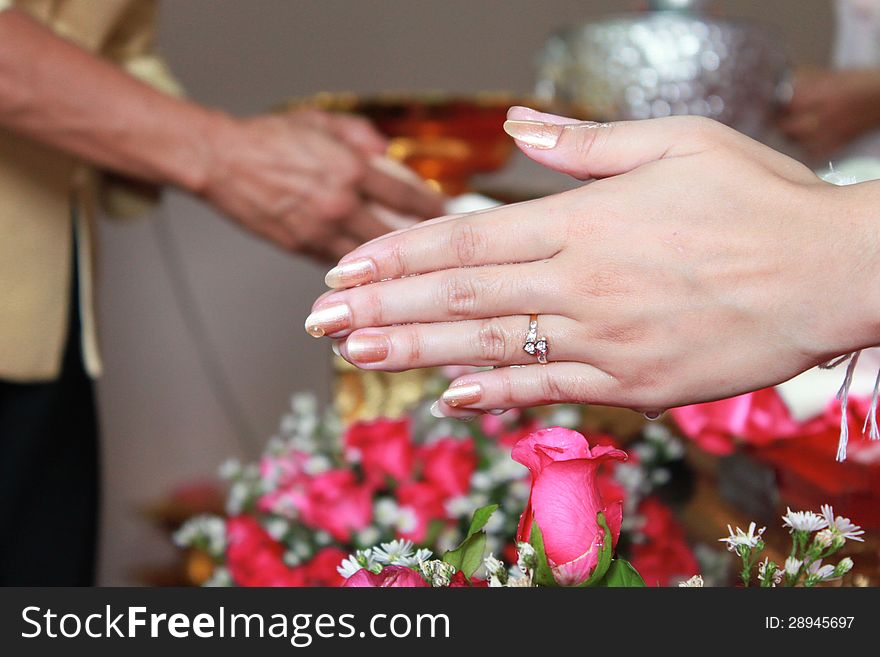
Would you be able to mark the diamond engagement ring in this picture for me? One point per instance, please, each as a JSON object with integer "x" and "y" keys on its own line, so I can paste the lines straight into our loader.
{"x": 535, "y": 346}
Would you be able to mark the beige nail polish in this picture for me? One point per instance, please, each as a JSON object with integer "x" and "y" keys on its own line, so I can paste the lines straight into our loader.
{"x": 328, "y": 319}
{"x": 534, "y": 133}
{"x": 368, "y": 348}
{"x": 464, "y": 395}
{"x": 349, "y": 274}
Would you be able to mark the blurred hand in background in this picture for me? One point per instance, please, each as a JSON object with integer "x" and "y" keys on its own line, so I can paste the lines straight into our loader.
{"x": 829, "y": 109}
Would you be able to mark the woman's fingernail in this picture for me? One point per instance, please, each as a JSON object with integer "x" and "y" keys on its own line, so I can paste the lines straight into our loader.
{"x": 335, "y": 347}
{"x": 498, "y": 411}
{"x": 349, "y": 274}
{"x": 367, "y": 348}
{"x": 436, "y": 411}
{"x": 534, "y": 133}
{"x": 328, "y": 319}
{"x": 464, "y": 395}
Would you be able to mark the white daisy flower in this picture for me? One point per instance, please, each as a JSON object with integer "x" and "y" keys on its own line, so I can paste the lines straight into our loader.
{"x": 841, "y": 525}
{"x": 393, "y": 552}
{"x": 803, "y": 521}
{"x": 793, "y": 566}
{"x": 740, "y": 538}
{"x": 360, "y": 559}
{"x": 820, "y": 573}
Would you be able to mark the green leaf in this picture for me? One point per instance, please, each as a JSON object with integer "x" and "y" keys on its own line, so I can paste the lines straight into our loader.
{"x": 543, "y": 575}
{"x": 604, "y": 562}
{"x": 480, "y": 518}
{"x": 622, "y": 574}
{"x": 468, "y": 556}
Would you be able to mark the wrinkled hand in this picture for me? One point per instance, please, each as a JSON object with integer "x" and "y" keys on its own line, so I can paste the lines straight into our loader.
{"x": 829, "y": 109}
{"x": 312, "y": 182}
{"x": 701, "y": 266}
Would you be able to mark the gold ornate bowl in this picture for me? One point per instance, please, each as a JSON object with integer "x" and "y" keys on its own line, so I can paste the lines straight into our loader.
{"x": 445, "y": 138}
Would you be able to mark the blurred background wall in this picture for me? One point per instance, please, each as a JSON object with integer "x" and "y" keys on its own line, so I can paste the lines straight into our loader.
{"x": 162, "y": 423}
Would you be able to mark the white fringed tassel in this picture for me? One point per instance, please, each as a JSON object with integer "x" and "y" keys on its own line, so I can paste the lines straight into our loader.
{"x": 843, "y": 396}
{"x": 871, "y": 417}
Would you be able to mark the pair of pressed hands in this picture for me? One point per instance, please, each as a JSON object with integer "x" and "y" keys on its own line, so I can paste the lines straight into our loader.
{"x": 312, "y": 182}
{"x": 699, "y": 265}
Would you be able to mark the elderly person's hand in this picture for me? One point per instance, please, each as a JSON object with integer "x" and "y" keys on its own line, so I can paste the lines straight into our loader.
{"x": 312, "y": 182}
{"x": 701, "y": 266}
{"x": 830, "y": 109}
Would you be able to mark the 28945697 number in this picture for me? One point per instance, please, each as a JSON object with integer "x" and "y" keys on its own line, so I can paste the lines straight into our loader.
{"x": 808, "y": 622}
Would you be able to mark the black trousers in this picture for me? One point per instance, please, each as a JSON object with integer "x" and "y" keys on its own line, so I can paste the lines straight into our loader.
{"x": 49, "y": 476}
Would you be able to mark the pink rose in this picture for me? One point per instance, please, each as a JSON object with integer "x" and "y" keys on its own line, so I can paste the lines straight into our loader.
{"x": 321, "y": 570}
{"x": 255, "y": 559}
{"x": 338, "y": 503}
{"x": 384, "y": 449}
{"x": 390, "y": 577}
{"x": 663, "y": 557}
{"x": 449, "y": 464}
{"x": 565, "y": 500}
{"x": 425, "y": 501}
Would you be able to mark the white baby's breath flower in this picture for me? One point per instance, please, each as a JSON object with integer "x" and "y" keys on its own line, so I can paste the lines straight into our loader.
{"x": 803, "y": 521}
{"x": 527, "y": 558}
{"x": 739, "y": 538}
{"x": 237, "y": 498}
{"x": 481, "y": 481}
{"x": 520, "y": 582}
{"x": 292, "y": 559}
{"x": 385, "y": 510}
{"x": 229, "y": 469}
{"x": 317, "y": 464}
{"x": 495, "y": 570}
{"x": 436, "y": 572}
{"x": 407, "y": 520}
{"x": 694, "y": 582}
{"x": 301, "y": 549}
{"x": 660, "y": 476}
{"x": 792, "y": 566}
{"x": 458, "y": 506}
{"x": 841, "y": 525}
{"x": 769, "y": 571}
{"x": 219, "y": 578}
{"x": 205, "y": 532}
{"x": 564, "y": 416}
{"x": 368, "y": 536}
{"x": 277, "y": 527}
{"x": 323, "y": 538}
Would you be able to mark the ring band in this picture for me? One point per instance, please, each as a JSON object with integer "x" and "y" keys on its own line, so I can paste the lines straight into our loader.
{"x": 535, "y": 346}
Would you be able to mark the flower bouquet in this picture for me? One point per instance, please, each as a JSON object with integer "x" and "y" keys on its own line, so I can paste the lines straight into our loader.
{"x": 411, "y": 486}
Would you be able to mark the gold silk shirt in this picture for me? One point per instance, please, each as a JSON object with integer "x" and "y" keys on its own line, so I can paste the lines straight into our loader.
{"x": 42, "y": 190}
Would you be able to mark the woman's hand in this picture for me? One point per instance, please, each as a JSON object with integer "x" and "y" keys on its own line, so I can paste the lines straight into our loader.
{"x": 312, "y": 182}
{"x": 830, "y": 109}
{"x": 701, "y": 266}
